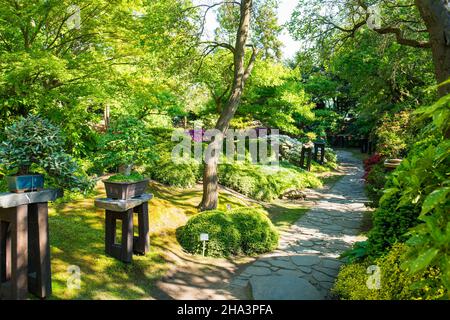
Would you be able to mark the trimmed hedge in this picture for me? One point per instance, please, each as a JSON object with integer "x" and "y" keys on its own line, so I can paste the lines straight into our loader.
{"x": 241, "y": 231}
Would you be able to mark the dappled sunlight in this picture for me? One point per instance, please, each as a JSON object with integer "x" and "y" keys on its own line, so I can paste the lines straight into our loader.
{"x": 77, "y": 238}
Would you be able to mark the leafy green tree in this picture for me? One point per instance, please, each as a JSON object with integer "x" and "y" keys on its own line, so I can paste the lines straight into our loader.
{"x": 73, "y": 60}
{"x": 276, "y": 98}
{"x": 237, "y": 19}
{"x": 421, "y": 24}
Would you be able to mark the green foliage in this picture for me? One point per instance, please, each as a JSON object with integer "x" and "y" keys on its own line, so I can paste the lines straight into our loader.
{"x": 331, "y": 158}
{"x": 224, "y": 238}
{"x": 429, "y": 245}
{"x": 393, "y": 133}
{"x": 396, "y": 283}
{"x": 34, "y": 143}
{"x": 390, "y": 224}
{"x": 184, "y": 173}
{"x": 121, "y": 57}
{"x": 375, "y": 182}
{"x": 127, "y": 143}
{"x": 417, "y": 195}
{"x": 277, "y": 103}
{"x": 258, "y": 235}
{"x": 264, "y": 182}
{"x": 133, "y": 177}
{"x": 245, "y": 230}
{"x": 357, "y": 253}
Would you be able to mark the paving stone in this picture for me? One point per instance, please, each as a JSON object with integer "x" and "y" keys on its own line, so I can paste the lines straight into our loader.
{"x": 284, "y": 272}
{"x": 327, "y": 263}
{"x": 284, "y": 288}
{"x": 239, "y": 283}
{"x": 258, "y": 271}
{"x": 326, "y": 285}
{"x": 328, "y": 271}
{"x": 260, "y": 263}
{"x": 306, "y": 243}
{"x": 305, "y": 269}
{"x": 319, "y": 276}
{"x": 306, "y": 260}
{"x": 283, "y": 264}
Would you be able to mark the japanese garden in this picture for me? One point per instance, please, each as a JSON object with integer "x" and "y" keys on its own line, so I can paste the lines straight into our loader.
{"x": 225, "y": 150}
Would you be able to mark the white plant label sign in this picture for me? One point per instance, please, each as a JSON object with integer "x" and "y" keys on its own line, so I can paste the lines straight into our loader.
{"x": 204, "y": 237}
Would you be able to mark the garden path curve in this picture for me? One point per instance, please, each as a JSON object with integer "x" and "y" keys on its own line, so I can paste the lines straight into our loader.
{"x": 305, "y": 265}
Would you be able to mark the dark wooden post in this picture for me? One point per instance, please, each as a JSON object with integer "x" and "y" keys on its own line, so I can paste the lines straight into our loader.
{"x": 364, "y": 145}
{"x": 24, "y": 244}
{"x": 39, "y": 269}
{"x": 141, "y": 243}
{"x": 124, "y": 250}
{"x": 371, "y": 147}
{"x": 319, "y": 146}
{"x": 306, "y": 154}
{"x": 14, "y": 253}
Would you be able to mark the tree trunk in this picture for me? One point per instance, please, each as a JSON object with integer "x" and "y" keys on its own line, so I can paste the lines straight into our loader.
{"x": 241, "y": 74}
{"x": 436, "y": 16}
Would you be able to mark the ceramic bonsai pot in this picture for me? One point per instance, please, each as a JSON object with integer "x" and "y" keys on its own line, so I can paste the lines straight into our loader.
{"x": 25, "y": 183}
{"x": 392, "y": 163}
{"x": 125, "y": 190}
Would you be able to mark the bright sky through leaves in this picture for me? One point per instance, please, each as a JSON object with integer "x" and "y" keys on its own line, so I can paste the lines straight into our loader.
{"x": 284, "y": 14}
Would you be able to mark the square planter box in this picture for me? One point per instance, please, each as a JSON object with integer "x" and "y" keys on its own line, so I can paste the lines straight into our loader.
{"x": 25, "y": 183}
{"x": 125, "y": 190}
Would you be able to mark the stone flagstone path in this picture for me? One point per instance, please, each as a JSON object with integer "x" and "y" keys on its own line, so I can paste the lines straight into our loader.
{"x": 305, "y": 265}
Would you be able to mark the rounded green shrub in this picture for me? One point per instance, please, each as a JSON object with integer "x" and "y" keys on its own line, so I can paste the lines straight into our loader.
{"x": 395, "y": 283}
{"x": 258, "y": 234}
{"x": 243, "y": 230}
{"x": 224, "y": 238}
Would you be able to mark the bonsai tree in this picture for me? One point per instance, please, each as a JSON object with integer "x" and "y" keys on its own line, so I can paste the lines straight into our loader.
{"x": 34, "y": 144}
{"x": 126, "y": 145}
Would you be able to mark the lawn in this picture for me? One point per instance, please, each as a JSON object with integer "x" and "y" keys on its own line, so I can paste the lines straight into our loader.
{"x": 77, "y": 239}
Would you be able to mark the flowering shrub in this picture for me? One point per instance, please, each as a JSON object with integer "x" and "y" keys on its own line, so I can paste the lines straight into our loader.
{"x": 369, "y": 163}
{"x": 197, "y": 135}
